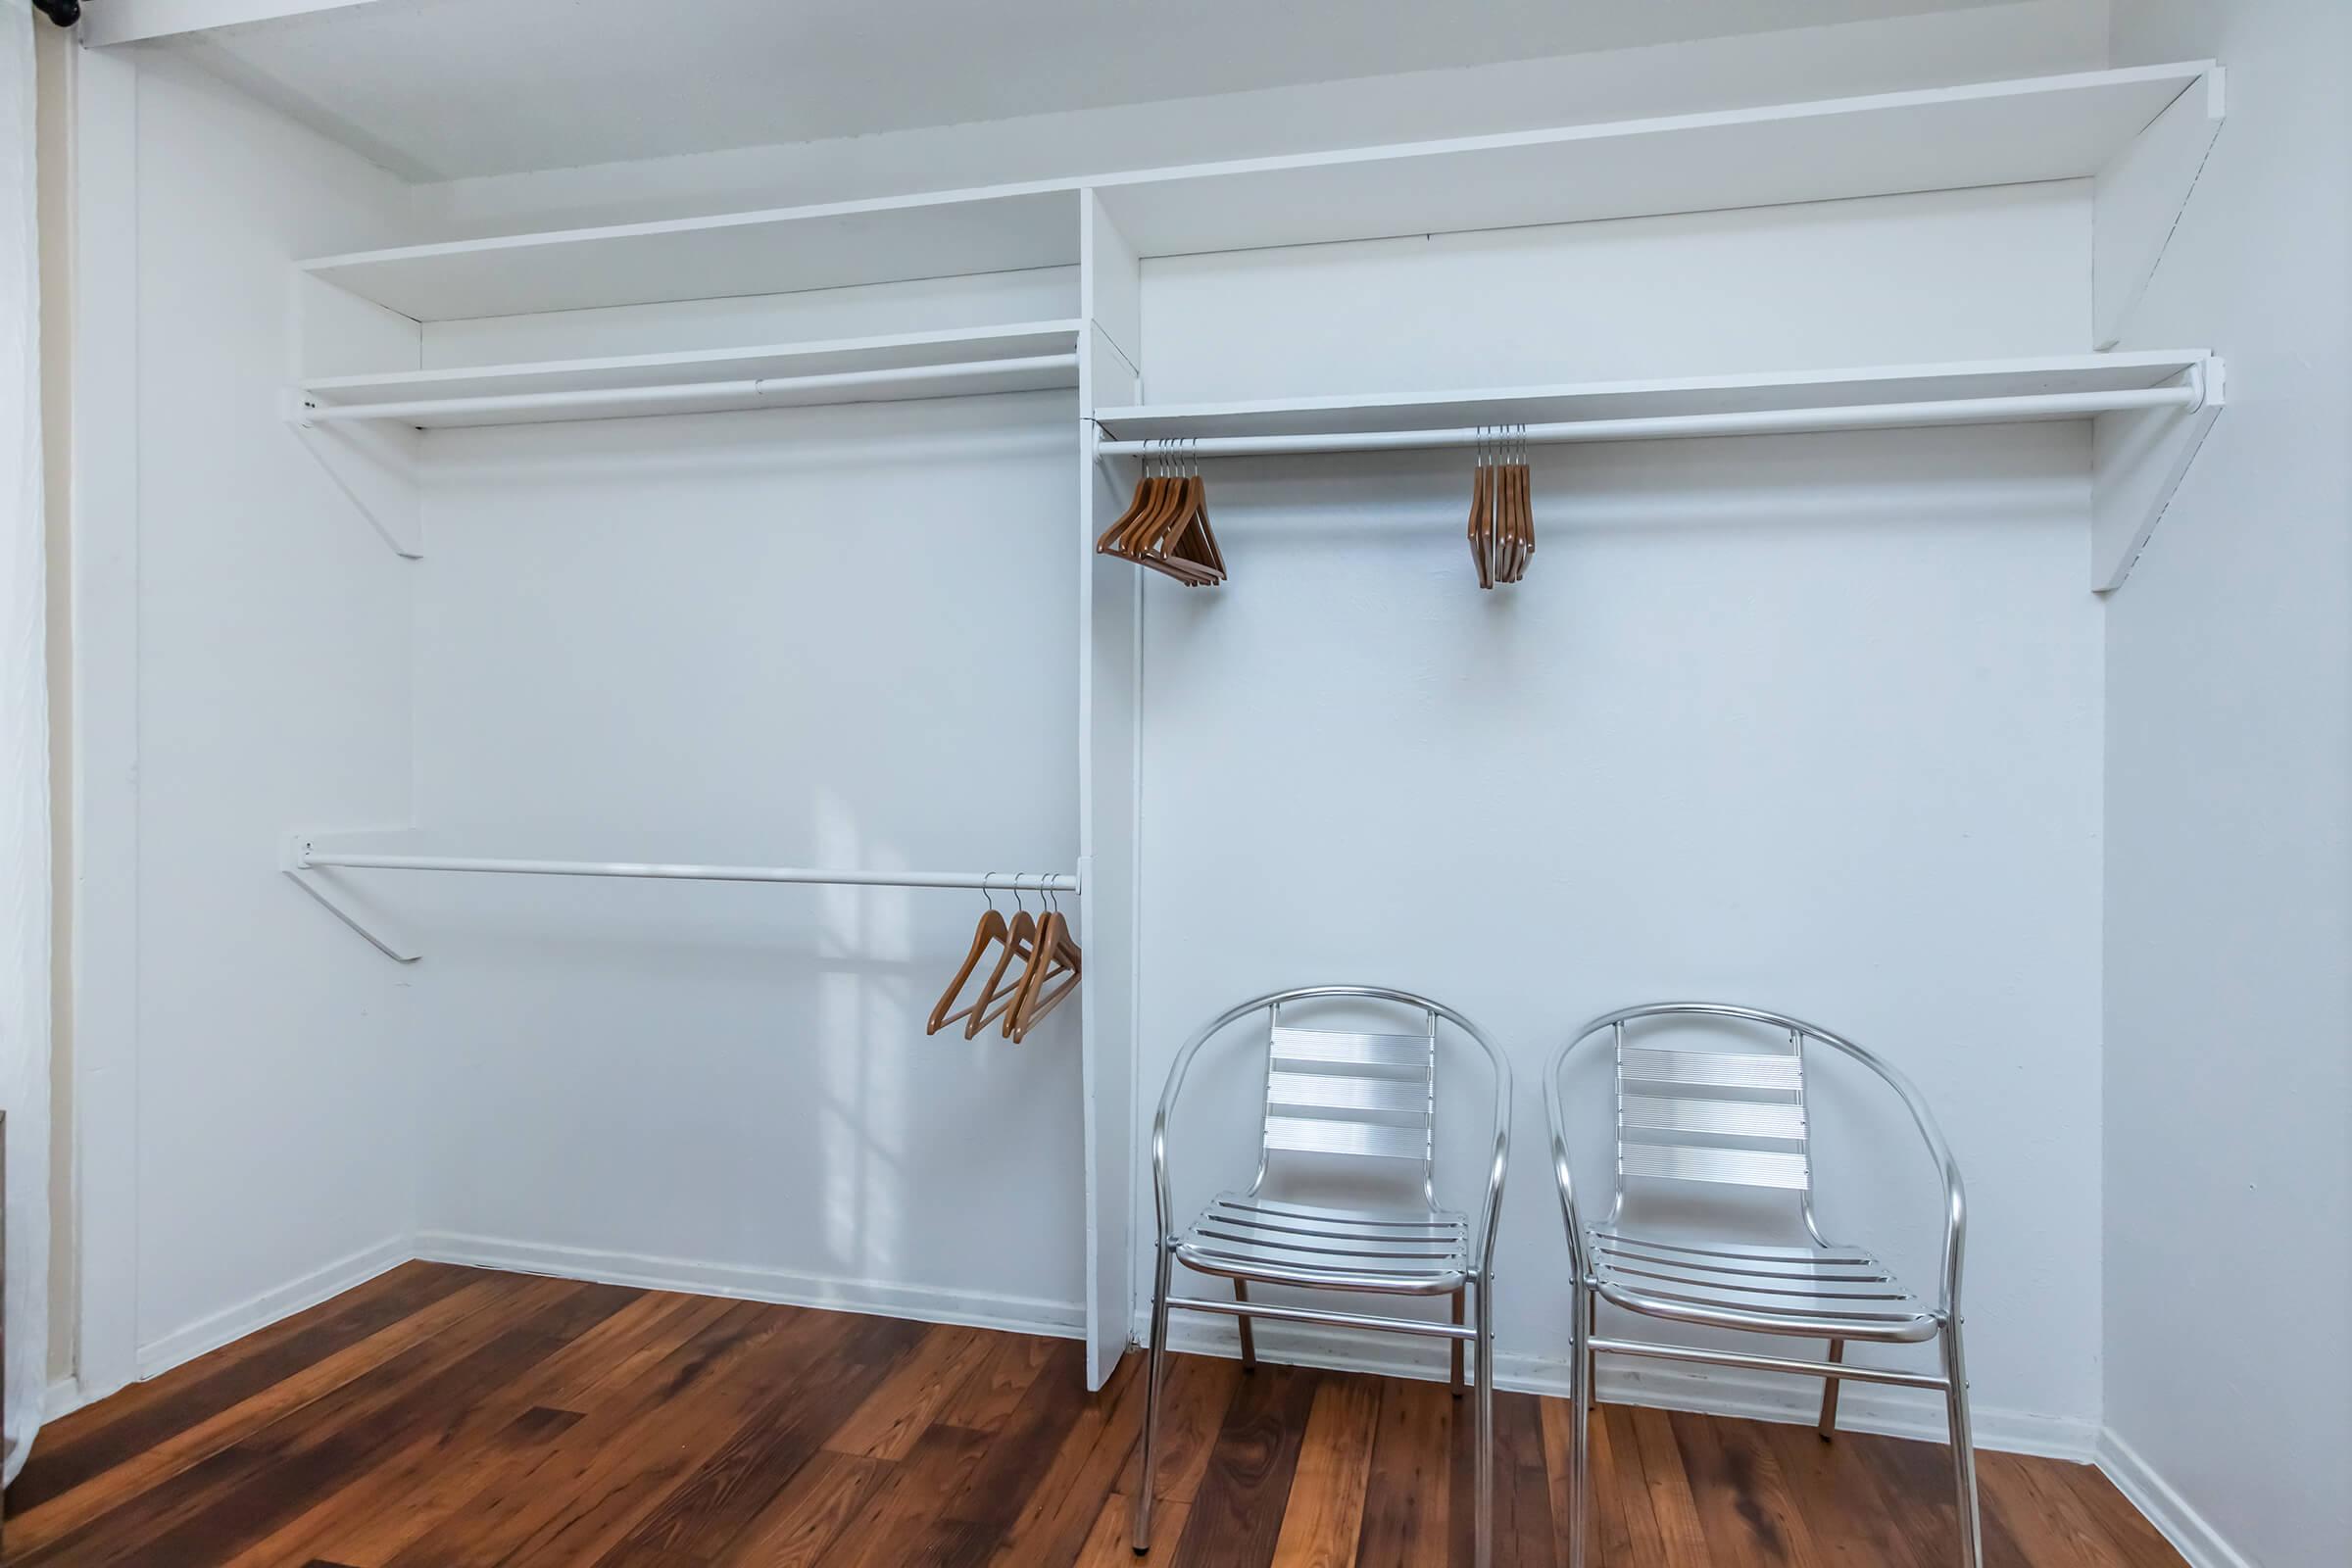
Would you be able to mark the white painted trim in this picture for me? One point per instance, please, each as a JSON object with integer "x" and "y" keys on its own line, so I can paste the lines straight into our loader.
{"x": 257, "y": 1312}
{"x": 128, "y": 20}
{"x": 1707, "y": 1391}
{"x": 922, "y": 1304}
{"x": 62, "y": 1399}
{"x": 2190, "y": 1533}
{"x": 105, "y": 851}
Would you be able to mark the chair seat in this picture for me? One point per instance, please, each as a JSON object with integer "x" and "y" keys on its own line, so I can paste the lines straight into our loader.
{"x": 1401, "y": 1252}
{"x": 1827, "y": 1293}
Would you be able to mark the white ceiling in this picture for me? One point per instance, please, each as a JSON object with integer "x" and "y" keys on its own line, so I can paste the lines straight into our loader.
{"x": 440, "y": 90}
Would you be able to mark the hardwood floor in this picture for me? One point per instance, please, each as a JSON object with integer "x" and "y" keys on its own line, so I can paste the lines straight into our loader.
{"x": 440, "y": 1415}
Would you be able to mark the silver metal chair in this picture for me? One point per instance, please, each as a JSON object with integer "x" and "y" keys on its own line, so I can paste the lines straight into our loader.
{"x": 1737, "y": 1117}
{"x": 1360, "y": 1101}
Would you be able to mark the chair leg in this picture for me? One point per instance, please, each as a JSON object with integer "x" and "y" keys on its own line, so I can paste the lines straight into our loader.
{"x": 1241, "y": 1293}
{"x": 1157, "y": 1354}
{"x": 1592, "y": 1367}
{"x": 1964, "y": 1450}
{"x": 1829, "y": 1392}
{"x": 1485, "y": 1544}
{"x": 1581, "y": 1358}
{"x": 1457, "y": 1379}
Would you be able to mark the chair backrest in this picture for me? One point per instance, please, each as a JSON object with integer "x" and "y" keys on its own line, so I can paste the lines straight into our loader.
{"x": 1689, "y": 1113}
{"x": 1352, "y": 1093}
{"x": 1737, "y": 1117}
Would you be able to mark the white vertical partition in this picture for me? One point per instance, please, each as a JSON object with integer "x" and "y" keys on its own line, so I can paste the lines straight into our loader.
{"x": 1110, "y": 694}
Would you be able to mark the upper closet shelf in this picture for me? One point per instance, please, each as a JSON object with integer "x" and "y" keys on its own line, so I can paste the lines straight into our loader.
{"x": 1988, "y": 391}
{"x": 1944, "y": 138}
{"x": 1989, "y": 133}
{"x": 1026, "y": 356}
{"x": 780, "y": 251}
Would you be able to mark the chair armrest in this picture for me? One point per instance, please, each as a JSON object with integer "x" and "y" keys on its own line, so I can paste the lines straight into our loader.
{"x": 1563, "y": 1174}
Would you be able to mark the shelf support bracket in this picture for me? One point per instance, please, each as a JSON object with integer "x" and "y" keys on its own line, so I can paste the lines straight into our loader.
{"x": 372, "y": 469}
{"x": 2136, "y": 202}
{"x": 2138, "y": 458}
{"x": 336, "y": 899}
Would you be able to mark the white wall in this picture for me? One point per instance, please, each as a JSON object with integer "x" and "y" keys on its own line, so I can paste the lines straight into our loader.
{"x": 1809, "y": 723}
{"x": 274, "y": 1135}
{"x": 2229, "y": 951}
{"x": 833, "y": 637}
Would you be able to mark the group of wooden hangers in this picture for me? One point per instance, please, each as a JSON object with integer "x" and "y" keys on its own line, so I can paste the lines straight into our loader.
{"x": 1502, "y": 517}
{"x": 1050, "y": 964}
{"x": 1166, "y": 527}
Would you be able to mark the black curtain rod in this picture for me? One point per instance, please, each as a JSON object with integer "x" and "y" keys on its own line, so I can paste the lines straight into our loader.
{"x": 65, "y": 13}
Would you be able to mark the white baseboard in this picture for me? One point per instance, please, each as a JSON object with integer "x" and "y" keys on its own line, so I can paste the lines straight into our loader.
{"x": 259, "y": 1312}
{"x": 923, "y": 1303}
{"x": 62, "y": 1399}
{"x": 1708, "y": 1390}
{"x": 2179, "y": 1523}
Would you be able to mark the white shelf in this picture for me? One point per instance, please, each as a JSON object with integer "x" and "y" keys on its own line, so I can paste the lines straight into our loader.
{"x": 2148, "y": 412}
{"x": 1029, "y": 356}
{"x": 1990, "y": 134}
{"x": 777, "y": 251}
{"x": 1698, "y": 397}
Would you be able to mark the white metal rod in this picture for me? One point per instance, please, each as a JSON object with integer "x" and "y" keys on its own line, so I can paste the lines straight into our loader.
{"x": 311, "y": 413}
{"x": 1764, "y": 421}
{"x": 307, "y": 858}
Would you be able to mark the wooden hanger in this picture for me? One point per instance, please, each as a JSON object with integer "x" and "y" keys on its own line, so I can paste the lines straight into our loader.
{"x": 1178, "y": 543}
{"x": 1141, "y": 541}
{"x": 1506, "y": 554}
{"x": 1198, "y": 541}
{"x": 1503, "y": 522}
{"x": 1058, "y": 959}
{"x": 1147, "y": 496}
{"x": 1166, "y": 527}
{"x": 1481, "y": 511}
{"x": 1523, "y": 508}
{"x": 998, "y": 996}
{"x": 990, "y": 929}
{"x": 1152, "y": 499}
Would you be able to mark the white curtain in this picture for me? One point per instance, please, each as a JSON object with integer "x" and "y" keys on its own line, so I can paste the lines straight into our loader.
{"x": 24, "y": 756}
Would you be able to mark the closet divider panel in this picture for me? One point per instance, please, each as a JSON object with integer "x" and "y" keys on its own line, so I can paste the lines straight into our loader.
{"x": 1110, "y": 609}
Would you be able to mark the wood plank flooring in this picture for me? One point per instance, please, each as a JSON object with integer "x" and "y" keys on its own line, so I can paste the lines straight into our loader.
{"x": 452, "y": 1416}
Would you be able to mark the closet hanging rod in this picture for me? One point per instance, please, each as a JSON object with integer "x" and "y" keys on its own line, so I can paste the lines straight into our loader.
{"x": 307, "y": 859}
{"x": 1760, "y": 421}
{"x": 308, "y": 411}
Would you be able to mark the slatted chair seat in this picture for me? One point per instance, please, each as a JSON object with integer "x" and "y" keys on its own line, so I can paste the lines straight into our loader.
{"x": 1247, "y": 1238}
{"x": 1839, "y": 1292}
